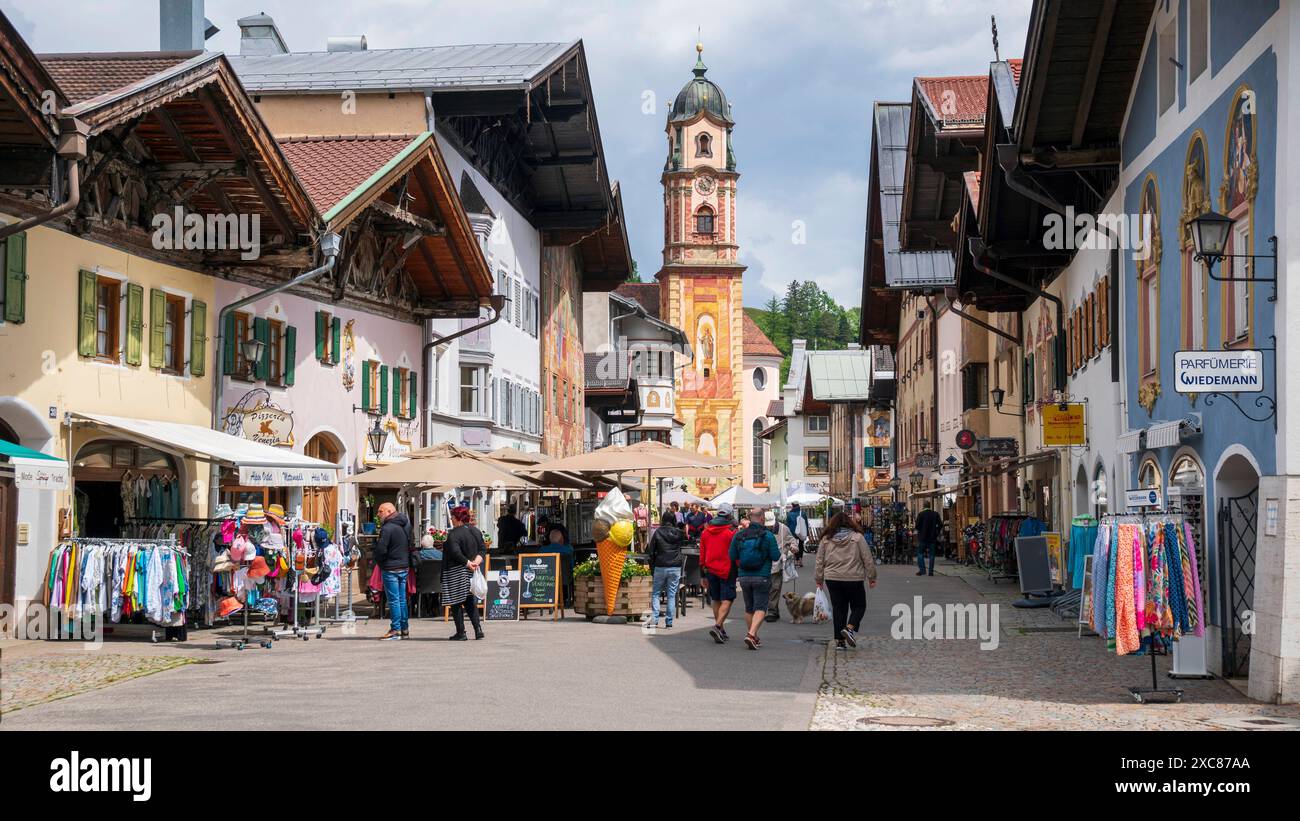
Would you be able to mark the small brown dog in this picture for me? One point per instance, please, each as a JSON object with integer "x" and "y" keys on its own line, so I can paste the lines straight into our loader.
{"x": 799, "y": 606}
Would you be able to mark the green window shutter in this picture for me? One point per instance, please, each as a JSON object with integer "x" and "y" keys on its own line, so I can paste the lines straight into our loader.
{"x": 198, "y": 338}
{"x": 869, "y": 457}
{"x": 157, "y": 329}
{"x": 86, "y": 315}
{"x": 336, "y": 342}
{"x": 290, "y": 355}
{"x": 413, "y": 377}
{"x": 134, "y": 324}
{"x": 262, "y": 333}
{"x": 228, "y": 346}
{"x": 397, "y": 393}
{"x": 320, "y": 335}
{"x": 15, "y": 284}
{"x": 383, "y": 390}
{"x": 365, "y": 384}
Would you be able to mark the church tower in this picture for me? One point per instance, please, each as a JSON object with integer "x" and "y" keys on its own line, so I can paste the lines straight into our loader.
{"x": 701, "y": 285}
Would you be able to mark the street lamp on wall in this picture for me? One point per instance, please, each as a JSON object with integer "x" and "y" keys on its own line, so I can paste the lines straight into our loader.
{"x": 252, "y": 349}
{"x": 1210, "y": 233}
{"x": 377, "y": 437}
{"x": 918, "y": 479}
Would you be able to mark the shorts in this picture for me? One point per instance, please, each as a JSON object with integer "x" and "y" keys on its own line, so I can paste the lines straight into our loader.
{"x": 721, "y": 589}
{"x": 756, "y": 590}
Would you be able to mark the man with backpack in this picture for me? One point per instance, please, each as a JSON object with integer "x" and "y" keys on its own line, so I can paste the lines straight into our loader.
{"x": 719, "y": 569}
{"x": 753, "y": 550}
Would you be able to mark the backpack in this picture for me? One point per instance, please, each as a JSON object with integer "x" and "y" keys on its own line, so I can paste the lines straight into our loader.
{"x": 752, "y": 555}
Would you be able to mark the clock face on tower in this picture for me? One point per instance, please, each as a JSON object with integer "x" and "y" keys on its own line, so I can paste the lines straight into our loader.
{"x": 705, "y": 185}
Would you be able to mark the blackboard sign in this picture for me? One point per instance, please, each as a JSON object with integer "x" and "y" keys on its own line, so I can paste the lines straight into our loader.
{"x": 503, "y": 590}
{"x": 540, "y": 573}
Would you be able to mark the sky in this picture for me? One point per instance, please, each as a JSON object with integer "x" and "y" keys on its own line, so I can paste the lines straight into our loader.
{"x": 800, "y": 76}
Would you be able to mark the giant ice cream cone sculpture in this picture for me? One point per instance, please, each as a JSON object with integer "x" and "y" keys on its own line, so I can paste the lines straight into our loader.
{"x": 612, "y": 558}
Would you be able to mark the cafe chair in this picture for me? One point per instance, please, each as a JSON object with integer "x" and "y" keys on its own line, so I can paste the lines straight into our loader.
{"x": 428, "y": 582}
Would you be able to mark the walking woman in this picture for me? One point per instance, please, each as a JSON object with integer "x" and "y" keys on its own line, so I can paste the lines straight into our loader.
{"x": 844, "y": 562}
{"x": 461, "y": 556}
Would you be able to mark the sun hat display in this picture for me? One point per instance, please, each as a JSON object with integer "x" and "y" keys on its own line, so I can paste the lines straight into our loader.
{"x": 224, "y": 511}
{"x": 267, "y": 606}
{"x": 242, "y": 549}
{"x": 258, "y": 570}
{"x": 276, "y": 514}
{"x": 322, "y": 538}
{"x": 256, "y": 515}
{"x": 299, "y": 539}
{"x": 273, "y": 540}
{"x": 228, "y": 528}
{"x": 242, "y": 510}
{"x": 228, "y": 606}
{"x": 222, "y": 563}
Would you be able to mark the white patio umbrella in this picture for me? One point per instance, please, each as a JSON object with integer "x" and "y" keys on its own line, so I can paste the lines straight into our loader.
{"x": 681, "y": 497}
{"x": 740, "y": 496}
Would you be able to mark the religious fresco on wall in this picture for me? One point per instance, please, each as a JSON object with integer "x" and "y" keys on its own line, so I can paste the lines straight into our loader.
{"x": 1241, "y": 175}
{"x": 562, "y": 357}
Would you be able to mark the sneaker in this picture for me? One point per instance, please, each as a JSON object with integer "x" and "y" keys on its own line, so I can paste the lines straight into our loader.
{"x": 718, "y": 636}
{"x": 840, "y": 645}
{"x": 391, "y": 635}
{"x": 668, "y": 626}
{"x": 723, "y": 631}
{"x": 771, "y": 617}
{"x": 751, "y": 642}
{"x": 653, "y": 624}
{"x": 849, "y": 637}
{"x": 406, "y": 634}
{"x": 920, "y": 572}
{"x": 478, "y": 635}
{"x": 459, "y": 637}
{"x": 931, "y": 573}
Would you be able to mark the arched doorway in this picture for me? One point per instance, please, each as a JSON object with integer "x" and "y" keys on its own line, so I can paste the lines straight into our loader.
{"x": 321, "y": 504}
{"x": 7, "y": 434}
{"x": 116, "y": 482}
{"x": 1237, "y": 491}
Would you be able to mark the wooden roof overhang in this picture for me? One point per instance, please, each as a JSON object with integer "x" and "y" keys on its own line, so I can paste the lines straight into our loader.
{"x": 29, "y": 103}
{"x": 408, "y": 243}
{"x": 878, "y": 323}
{"x": 937, "y": 156}
{"x": 539, "y": 145}
{"x": 189, "y": 138}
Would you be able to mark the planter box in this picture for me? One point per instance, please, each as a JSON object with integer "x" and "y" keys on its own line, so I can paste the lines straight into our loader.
{"x": 633, "y": 597}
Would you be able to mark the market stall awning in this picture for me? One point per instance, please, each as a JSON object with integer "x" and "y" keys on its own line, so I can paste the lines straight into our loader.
{"x": 33, "y": 469}
{"x": 740, "y": 496}
{"x": 259, "y": 465}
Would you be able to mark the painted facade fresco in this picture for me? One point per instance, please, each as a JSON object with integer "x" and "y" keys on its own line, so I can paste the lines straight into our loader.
{"x": 562, "y": 360}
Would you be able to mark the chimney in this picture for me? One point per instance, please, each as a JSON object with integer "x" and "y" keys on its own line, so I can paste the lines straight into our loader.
{"x": 182, "y": 26}
{"x": 355, "y": 42}
{"x": 259, "y": 37}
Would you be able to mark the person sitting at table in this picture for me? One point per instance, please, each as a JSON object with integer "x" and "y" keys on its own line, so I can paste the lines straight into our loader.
{"x": 428, "y": 552}
{"x": 510, "y": 530}
{"x": 557, "y": 543}
{"x": 544, "y": 528}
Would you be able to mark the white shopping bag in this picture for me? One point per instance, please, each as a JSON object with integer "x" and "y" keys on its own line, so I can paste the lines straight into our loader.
{"x": 788, "y": 570}
{"x": 822, "y": 606}
{"x": 478, "y": 585}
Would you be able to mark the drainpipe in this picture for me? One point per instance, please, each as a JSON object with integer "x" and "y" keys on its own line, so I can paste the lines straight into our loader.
{"x": 1009, "y": 159}
{"x": 497, "y": 303}
{"x": 72, "y": 148}
{"x": 329, "y": 244}
{"x": 1059, "y": 376}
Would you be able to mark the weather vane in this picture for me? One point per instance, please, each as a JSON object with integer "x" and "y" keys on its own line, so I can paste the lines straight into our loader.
{"x": 997, "y": 56}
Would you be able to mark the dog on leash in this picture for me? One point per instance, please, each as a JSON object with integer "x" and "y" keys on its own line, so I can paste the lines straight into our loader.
{"x": 799, "y": 606}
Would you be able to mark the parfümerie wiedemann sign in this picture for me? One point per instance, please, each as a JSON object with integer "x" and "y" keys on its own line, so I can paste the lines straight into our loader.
{"x": 1219, "y": 371}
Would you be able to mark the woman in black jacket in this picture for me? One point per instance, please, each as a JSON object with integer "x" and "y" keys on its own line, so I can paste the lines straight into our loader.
{"x": 665, "y": 553}
{"x": 461, "y": 556}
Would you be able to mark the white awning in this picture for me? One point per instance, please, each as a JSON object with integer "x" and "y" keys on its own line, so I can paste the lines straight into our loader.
{"x": 259, "y": 465}
{"x": 1164, "y": 435}
{"x": 1129, "y": 442}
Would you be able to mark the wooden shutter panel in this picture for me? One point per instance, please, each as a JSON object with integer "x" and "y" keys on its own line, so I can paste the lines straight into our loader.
{"x": 290, "y": 355}
{"x": 86, "y": 315}
{"x": 365, "y": 384}
{"x": 397, "y": 392}
{"x": 336, "y": 342}
{"x": 135, "y": 324}
{"x": 415, "y": 395}
{"x": 383, "y": 390}
{"x": 321, "y": 330}
{"x": 262, "y": 333}
{"x": 15, "y": 284}
{"x": 228, "y": 346}
{"x": 157, "y": 327}
{"x": 198, "y": 338}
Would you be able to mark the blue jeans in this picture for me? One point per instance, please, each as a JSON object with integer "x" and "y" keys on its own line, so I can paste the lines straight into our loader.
{"x": 399, "y": 606}
{"x": 921, "y": 549}
{"x": 670, "y": 577}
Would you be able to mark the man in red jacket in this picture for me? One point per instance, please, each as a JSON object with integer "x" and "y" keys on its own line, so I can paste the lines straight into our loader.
{"x": 715, "y": 558}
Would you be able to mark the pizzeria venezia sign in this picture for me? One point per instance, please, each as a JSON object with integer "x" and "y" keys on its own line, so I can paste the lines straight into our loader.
{"x": 1218, "y": 371}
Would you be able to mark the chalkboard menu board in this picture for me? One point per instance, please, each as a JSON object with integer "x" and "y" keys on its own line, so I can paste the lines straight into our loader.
{"x": 503, "y": 590}
{"x": 540, "y": 573}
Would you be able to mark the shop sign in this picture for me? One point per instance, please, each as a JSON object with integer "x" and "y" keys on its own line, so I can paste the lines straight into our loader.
{"x": 949, "y": 479}
{"x": 36, "y": 476}
{"x": 1218, "y": 371}
{"x": 1063, "y": 428}
{"x": 255, "y": 418}
{"x": 927, "y": 460}
{"x": 999, "y": 446}
{"x": 1145, "y": 497}
{"x": 503, "y": 590}
{"x": 966, "y": 439}
{"x": 288, "y": 477}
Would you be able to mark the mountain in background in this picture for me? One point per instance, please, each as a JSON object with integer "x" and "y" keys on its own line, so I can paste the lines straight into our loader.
{"x": 806, "y": 312}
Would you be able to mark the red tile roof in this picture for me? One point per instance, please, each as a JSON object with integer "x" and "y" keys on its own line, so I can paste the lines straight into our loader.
{"x": 972, "y": 179}
{"x": 1015, "y": 69}
{"x": 756, "y": 342}
{"x": 958, "y": 102}
{"x": 86, "y": 76}
{"x": 646, "y": 293}
{"x": 330, "y": 168}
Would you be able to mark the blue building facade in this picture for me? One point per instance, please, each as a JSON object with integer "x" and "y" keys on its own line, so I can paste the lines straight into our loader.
{"x": 1201, "y": 134}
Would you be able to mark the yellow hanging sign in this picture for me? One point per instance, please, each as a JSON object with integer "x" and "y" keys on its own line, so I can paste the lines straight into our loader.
{"x": 1063, "y": 428}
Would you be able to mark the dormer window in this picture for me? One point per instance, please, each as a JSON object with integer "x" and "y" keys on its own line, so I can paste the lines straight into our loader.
{"x": 704, "y": 220}
{"x": 704, "y": 146}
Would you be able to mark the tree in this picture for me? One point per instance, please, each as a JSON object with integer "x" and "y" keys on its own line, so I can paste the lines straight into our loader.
{"x": 773, "y": 329}
{"x": 635, "y": 276}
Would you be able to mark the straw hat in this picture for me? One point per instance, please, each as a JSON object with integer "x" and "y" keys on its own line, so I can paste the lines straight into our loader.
{"x": 224, "y": 511}
{"x": 255, "y": 515}
{"x": 276, "y": 514}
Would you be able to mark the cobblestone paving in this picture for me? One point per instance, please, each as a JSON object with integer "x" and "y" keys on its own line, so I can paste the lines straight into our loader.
{"x": 39, "y": 679}
{"x": 1032, "y": 681}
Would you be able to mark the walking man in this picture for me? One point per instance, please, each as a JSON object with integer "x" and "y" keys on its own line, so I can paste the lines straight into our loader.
{"x": 792, "y": 521}
{"x": 715, "y": 558}
{"x": 787, "y": 543}
{"x": 753, "y": 550}
{"x": 928, "y": 525}
{"x": 393, "y": 555}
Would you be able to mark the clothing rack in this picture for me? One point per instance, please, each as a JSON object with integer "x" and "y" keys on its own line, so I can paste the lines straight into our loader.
{"x": 1153, "y": 694}
{"x": 182, "y": 629}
